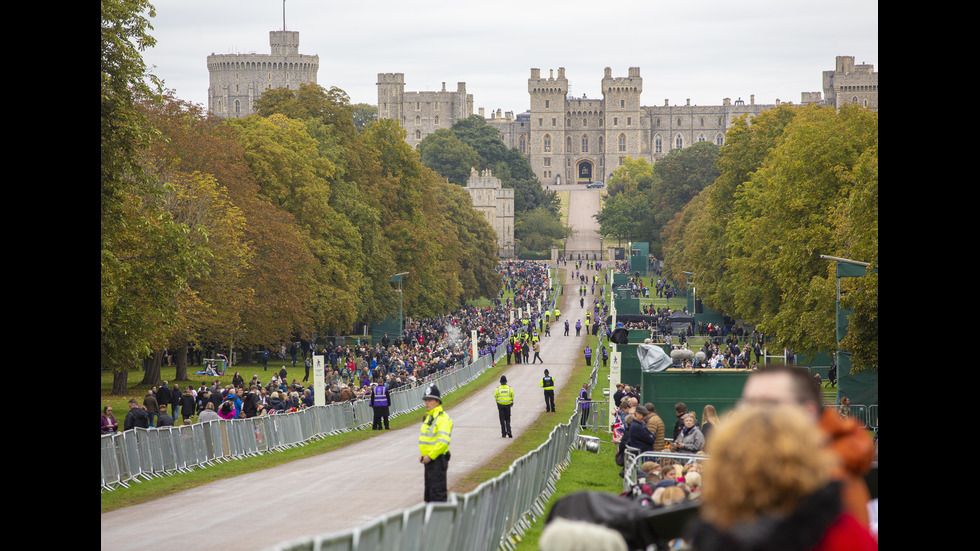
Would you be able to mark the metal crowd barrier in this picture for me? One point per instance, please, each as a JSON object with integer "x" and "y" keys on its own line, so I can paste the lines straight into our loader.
{"x": 635, "y": 459}
{"x": 141, "y": 454}
{"x": 493, "y": 516}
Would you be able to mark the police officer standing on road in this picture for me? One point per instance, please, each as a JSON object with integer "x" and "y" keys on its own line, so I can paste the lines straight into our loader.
{"x": 548, "y": 384}
{"x": 504, "y": 395}
{"x": 437, "y": 429}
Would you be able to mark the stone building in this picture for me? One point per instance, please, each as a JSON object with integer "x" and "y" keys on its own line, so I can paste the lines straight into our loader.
{"x": 237, "y": 80}
{"x": 497, "y": 205}
{"x": 421, "y": 113}
{"x": 850, "y": 83}
{"x": 581, "y": 140}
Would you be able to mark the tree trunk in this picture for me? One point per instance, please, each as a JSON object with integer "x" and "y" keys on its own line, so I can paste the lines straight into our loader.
{"x": 151, "y": 376}
{"x": 120, "y": 380}
{"x": 181, "y": 362}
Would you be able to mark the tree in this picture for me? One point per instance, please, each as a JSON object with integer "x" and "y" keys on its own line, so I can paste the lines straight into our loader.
{"x": 784, "y": 219}
{"x": 445, "y": 153}
{"x": 285, "y": 161}
{"x": 540, "y": 230}
{"x": 146, "y": 256}
{"x": 363, "y": 115}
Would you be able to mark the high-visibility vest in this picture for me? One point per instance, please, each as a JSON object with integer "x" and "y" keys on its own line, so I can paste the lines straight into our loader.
{"x": 547, "y": 383}
{"x": 380, "y": 399}
{"x": 504, "y": 395}
{"x": 437, "y": 429}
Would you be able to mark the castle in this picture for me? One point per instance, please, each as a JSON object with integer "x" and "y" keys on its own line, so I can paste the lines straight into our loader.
{"x": 496, "y": 203}
{"x": 580, "y": 140}
{"x": 421, "y": 113}
{"x": 237, "y": 80}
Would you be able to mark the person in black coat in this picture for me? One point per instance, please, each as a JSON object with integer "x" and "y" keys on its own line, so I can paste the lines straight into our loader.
{"x": 187, "y": 406}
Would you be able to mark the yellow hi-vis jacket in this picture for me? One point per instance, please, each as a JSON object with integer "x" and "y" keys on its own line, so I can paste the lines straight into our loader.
{"x": 504, "y": 395}
{"x": 547, "y": 383}
{"x": 436, "y": 431}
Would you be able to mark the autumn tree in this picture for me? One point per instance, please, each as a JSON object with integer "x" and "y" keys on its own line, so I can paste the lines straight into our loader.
{"x": 147, "y": 257}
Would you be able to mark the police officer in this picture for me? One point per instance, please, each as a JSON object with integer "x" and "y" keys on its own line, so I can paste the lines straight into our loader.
{"x": 434, "y": 454}
{"x": 504, "y": 395}
{"x": 548, "y": 384}
{"x": 380, "y": 402}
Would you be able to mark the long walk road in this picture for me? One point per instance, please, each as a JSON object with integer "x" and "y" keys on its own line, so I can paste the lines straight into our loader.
{"x": 349, "y": 487}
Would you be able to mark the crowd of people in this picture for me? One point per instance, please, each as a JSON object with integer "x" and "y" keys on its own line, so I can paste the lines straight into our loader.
{"x": 425, "y": 349}
{"x": 802, "y": 490}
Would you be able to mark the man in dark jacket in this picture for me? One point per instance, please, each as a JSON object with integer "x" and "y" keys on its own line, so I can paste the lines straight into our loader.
{"x": 136, "y": 417}
{"x": 164, "y": 395}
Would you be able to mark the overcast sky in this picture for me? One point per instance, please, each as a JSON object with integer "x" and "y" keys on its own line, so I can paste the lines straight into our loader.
{"x": 702, "y": 50}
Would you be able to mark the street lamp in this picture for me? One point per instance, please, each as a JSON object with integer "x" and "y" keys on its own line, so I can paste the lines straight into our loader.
{"x": 397, "y": 278}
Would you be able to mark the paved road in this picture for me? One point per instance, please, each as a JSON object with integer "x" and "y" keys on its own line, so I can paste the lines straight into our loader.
{"x": 348, "y": 487}
{"x": 583, "y": 205}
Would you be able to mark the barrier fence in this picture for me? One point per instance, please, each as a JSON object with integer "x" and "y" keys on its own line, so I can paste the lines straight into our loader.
{"x": 147, "y": 453}
{"x": 634, "y": 459}
{"x": 495, "y": 515}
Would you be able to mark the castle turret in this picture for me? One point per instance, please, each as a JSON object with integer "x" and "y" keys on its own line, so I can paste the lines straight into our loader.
{"x": 237, "y": 80}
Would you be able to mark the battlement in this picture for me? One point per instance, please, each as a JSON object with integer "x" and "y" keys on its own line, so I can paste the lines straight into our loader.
{"x": 391, "y": 78}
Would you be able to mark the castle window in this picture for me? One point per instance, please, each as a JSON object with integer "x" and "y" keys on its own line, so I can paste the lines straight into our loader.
{"x": 547, "y": 161}
{"x": 418, "y": 119}
{"x": 547, "y": 143}
{"x": 702, "y": 121}
{"x": 600, "y": 122}
{"x": 554, "y": 122}
{"x": 615, "y": 121}
{"x": 540, "y": 122}
{"x": 678, "y": 142}
{"x": 629, "y": 121}
{"x": 568, "y": 145}
{"x": 547, "y": 103}
{"x": 720, "y": 139}
{"x": 585, "y": 144}
{"x": 658, "y": 145}
{"x": 622, "y": 142}
{"x": 523, "y": 145}
{"x": 700, "y": 137}
{"x": 585, "y": 122}
{"x": 418, "y": 106}
{"x": 622, "y": 103}
{"x": 601, "y": 145}
{"x": 437, "y": 119}
{"x": 418, "y": 134}
{"x": 658, "y": 122}
{"x": 679, "y": 121}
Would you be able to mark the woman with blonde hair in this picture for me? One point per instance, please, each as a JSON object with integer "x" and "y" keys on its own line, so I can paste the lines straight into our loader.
{"x": 709, "y": 420}
{"x": 770, "y": 485}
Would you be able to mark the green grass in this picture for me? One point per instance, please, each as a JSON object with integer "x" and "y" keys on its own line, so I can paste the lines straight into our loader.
{"x": 587, "y": 472}
{"x": 563, "y": 209}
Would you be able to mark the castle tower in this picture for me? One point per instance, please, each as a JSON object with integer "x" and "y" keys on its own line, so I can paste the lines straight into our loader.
{"x": 421, "y": 113}
{"x": 548, "y": 123}
{"x": 496, "y": 203}
{"x": 624, "y": 117}
{"x": 850, "y": 83}
{"x": 237, "y": 80}
{"x": 391, "y": 96}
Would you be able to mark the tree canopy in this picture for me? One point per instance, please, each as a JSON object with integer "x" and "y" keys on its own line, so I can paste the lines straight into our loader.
{"x": 252, "y": 230}
{"x": 795, "y": 183}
